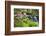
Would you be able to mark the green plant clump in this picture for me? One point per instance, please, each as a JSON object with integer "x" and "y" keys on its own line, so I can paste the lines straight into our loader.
{"x": 24, "y": 22}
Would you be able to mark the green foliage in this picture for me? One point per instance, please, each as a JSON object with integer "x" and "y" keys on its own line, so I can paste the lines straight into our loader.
{"x": 34, "y": 12}
{"x": 25, "y": 22}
